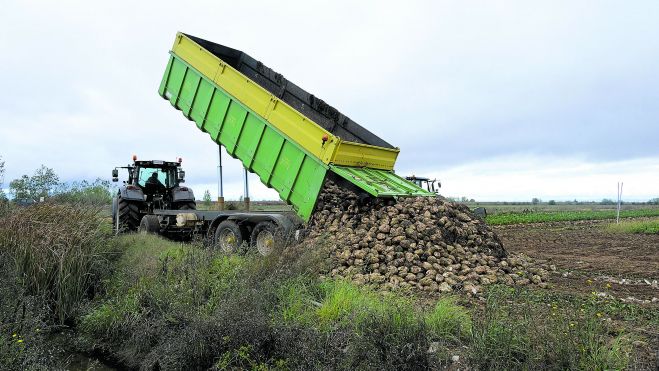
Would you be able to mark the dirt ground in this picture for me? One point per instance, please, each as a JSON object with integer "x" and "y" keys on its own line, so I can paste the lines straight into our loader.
{"x": 590, "y": 259}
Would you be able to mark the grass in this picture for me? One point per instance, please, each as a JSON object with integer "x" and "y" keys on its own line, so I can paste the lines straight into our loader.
{"x": 332, "y": 304}
{"x": 449, "y": 321}
{"x": 560, "y": 216}
{"x": 538, "y": 332}
{"x": 635, "y": 226}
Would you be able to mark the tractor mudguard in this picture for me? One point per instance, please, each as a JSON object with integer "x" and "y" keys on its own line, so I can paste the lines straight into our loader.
{"x": 132, "y": 194}
{"x": 182, "y": 194}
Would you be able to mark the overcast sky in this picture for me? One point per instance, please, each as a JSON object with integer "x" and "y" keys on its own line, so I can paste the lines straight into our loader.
{"x": 501, "y": 100}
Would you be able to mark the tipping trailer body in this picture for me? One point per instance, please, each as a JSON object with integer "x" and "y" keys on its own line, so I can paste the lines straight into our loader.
{"x": 288, "y": 150}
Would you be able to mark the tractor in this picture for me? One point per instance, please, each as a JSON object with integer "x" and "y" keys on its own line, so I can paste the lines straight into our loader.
{"x": 425, "y": 183}
{"x": 151, "y": 185}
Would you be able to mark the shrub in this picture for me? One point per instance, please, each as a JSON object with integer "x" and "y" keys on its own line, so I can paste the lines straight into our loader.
{"x": 84, "y": 192}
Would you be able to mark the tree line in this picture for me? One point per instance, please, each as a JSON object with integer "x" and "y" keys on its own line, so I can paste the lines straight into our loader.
{"x": 44, "y": 184}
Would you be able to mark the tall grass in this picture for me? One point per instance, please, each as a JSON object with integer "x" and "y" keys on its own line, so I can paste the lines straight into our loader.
{"x": 59, "y": 252}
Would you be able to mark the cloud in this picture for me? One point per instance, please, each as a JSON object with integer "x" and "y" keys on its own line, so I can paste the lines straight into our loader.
{"x": 523, "y": 177}
{"x": 454, "y": 85}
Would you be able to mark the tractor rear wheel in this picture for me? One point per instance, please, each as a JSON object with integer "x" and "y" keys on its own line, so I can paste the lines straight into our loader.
{"x": 129, "y": 215}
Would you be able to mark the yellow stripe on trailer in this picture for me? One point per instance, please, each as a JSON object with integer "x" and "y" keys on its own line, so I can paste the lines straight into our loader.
{"x": 364, "y": 155}
{"x": 295, "y": 125}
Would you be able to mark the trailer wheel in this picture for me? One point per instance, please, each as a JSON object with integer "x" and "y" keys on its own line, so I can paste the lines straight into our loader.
{"x": 265, "y": 237}
{"x": 149, "y": 225}
{"x": 228, "y": 236}
{"x": 129, "y": 214}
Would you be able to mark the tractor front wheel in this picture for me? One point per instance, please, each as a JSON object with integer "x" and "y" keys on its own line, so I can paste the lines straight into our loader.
{"x": 149, "y": 225}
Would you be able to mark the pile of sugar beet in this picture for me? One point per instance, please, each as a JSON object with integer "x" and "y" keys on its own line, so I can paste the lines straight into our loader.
{"x": 427, "y": 243}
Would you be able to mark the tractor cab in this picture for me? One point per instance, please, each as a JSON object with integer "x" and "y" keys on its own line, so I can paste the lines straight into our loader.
{"x": 156, "y": 173}
{"x": 426, "y": 183}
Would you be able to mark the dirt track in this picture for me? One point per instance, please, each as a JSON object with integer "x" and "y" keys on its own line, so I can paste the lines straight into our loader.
{"x": 588, "y": 257}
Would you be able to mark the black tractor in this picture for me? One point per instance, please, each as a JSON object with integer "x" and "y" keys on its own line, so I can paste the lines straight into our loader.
{"x": 151, "y": 185}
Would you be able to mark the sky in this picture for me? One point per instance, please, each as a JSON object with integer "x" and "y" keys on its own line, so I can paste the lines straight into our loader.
{"x": 500, "y": 100}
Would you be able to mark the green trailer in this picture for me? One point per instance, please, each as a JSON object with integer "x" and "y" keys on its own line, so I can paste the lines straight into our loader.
{"x": 256, "y": 120}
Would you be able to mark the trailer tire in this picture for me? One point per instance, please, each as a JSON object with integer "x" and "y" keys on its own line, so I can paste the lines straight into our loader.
{"x": 228, "y": 236}
{"x": 265, "y": 237}
{"x": 129, "y": 215}
{"x": 149, "y": 225}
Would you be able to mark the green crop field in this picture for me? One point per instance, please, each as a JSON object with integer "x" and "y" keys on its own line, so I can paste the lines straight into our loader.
{"x": 560, "y": 216}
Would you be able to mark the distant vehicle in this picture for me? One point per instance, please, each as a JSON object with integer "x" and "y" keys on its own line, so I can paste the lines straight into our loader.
{"x": 426, "y": 183}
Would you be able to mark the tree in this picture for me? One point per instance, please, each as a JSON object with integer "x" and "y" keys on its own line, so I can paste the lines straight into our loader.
{"x": 34, "y": 187}
{"x": 551, "y": 202}
{"x": 607, "y": 201}
{"x": 20, "y": 188}
{"x": 207, "y": 199}
{"x": 536, "y": 201}
{"x": 654, "y": 201}
{"x": 43, "y": 181}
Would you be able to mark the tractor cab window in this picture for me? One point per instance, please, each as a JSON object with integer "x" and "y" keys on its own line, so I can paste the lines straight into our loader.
{"x": 166, "y": 177}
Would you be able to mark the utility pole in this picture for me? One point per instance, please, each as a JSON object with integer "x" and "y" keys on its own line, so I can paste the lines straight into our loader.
{"x": 220, "y": 186}
{"x": 246, "y": 198}
{"x": 619, "y": 200}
